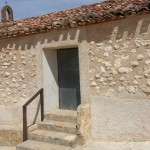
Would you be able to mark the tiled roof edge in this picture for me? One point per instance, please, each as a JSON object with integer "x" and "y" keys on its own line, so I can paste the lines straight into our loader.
{"x": 85, "y": 15}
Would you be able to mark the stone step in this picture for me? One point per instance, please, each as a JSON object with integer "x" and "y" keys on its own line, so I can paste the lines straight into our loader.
{"x": 36, "y": 145}
{"x": 62, "y": 115}
{"x": 50, "y": 125}
{"x": 53, "y": 137}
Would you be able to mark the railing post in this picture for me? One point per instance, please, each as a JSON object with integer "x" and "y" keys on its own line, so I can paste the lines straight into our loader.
{"x": 42, "y": 105}
{"x": 25, "y": 130}
{"x": 25, "y": 126}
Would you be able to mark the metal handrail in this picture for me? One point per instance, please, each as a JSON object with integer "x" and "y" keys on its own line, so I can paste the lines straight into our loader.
{"x": 25, "y": 127}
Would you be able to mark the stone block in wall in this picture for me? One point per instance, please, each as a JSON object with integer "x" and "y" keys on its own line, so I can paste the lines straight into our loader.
{"x": 10, "y": 135}
{"x": 84, "y": 121}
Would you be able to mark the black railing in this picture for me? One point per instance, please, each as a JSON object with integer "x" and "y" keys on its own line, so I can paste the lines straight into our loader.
{"x": 25, "y": 126}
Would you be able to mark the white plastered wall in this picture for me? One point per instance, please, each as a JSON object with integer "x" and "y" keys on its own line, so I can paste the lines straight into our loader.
{"x": 50, "y": 80}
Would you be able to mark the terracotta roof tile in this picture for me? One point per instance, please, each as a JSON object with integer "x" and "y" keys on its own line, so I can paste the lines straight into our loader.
{"x": 84, "y": 15}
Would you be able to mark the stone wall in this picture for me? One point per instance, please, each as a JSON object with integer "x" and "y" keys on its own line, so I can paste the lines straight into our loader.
{"x": 26, "y": 64}
{"x": 120, "y": 67}
{"x": 18, "y": 82}
{"x": 18, "y": 75}
{"x": 114, "y": 62}
{"x": 119, "y": 59}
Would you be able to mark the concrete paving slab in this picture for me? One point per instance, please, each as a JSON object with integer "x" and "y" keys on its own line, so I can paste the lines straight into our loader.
{"x": 7, "y": 148}
{"x": 105, "y": 146}
{"x": 116, "y": 146}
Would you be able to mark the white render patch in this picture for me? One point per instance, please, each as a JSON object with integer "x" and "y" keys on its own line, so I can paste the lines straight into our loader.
{"x": 120, "y": 119}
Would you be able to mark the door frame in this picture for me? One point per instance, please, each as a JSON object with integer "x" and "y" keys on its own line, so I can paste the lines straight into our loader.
{"x": 83, "y": 70}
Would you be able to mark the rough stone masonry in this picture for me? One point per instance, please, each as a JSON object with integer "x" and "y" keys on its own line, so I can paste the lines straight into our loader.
{"x": 113, "y": 43}
{"x": 18, "y": 75}
{"x": 121, "y": 67}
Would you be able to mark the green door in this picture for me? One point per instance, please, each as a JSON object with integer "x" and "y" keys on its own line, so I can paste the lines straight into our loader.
{"x": 68, "y": 75}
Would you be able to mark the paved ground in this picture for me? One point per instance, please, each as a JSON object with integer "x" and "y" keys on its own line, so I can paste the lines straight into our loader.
{"x": 107, "y": 146}
{"x": 7, "y": 148}
{"x": 116, "y": 146}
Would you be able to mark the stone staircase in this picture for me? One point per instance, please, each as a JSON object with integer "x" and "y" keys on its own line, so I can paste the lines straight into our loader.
{"x": 56, "y": 132}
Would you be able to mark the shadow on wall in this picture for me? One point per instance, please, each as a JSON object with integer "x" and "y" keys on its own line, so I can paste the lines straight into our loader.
{"x": 118, "y": 29}
{"x": 51, "y": 58}
{"x": 31, "y": 41}
{"x": 88, "y": 33}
